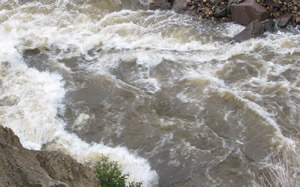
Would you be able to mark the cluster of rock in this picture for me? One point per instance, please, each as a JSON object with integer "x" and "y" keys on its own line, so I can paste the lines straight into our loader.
{"x": 22, "y": 167}
{"x": 244, "y": 12}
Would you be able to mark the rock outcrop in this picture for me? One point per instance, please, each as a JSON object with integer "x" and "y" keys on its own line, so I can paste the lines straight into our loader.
{"x": 22, "y": 167}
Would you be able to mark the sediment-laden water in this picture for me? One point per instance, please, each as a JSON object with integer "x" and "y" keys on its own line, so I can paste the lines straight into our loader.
{"x": 169, "y": 97}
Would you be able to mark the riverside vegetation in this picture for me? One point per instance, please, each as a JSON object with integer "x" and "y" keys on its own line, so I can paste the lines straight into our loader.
{"x": 110, "y": 174}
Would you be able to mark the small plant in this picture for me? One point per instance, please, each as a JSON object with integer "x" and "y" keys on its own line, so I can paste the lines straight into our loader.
{"x": 110, "y": 175}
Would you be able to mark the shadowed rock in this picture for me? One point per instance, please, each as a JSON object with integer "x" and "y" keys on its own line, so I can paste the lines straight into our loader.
{"x": 254, "y": 29}
{"x": 248, "y": 11}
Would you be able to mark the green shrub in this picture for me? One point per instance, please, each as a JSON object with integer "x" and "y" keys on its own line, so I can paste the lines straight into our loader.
{"x": 110, "y": 174}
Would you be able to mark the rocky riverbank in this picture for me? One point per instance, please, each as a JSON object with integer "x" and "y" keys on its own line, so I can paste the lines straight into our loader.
{"x": 243, "y": 12}
{"x": 23, "y": 167}
{"x": 258, "y": 15}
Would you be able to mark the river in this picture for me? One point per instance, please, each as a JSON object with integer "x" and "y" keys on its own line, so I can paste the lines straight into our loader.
{"x": 169, "y": 97}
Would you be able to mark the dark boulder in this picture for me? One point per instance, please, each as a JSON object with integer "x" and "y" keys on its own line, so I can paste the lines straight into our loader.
{"x": 159, "y": 4}
{"x": 247, "y": 11}
{"x": 284, "y": 19}
{"x": 254, "y": 29}
{"x": 221, "y": 11}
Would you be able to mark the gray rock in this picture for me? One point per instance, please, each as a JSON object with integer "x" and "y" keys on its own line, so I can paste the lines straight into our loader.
{"x": 254, "y": 29}
{"x": 179, "y": 6}
{"x": 221, "y": 11}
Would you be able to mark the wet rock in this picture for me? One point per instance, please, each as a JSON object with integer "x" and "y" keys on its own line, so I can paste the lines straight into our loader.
{"x": 179, "y": 6}
{"x": 159, "y": 4}
{"x": 269, "y": 25}
{"x": 254, "y": 29}
{"x": 23, "y": 167}
{"x": 221, "y": 11}
{"x": 283, "y": 20}
{"x": 247, "y": 11}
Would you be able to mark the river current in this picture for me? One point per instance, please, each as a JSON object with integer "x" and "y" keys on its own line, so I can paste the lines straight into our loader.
{"x": 169, "y": 97}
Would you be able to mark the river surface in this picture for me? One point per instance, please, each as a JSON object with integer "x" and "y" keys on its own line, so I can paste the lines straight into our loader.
{"x": 169, "y": 97}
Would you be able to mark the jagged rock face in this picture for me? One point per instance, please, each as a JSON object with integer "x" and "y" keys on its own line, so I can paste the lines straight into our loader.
{"x": 22, "y": 167}
{"x": 248, "y": 11}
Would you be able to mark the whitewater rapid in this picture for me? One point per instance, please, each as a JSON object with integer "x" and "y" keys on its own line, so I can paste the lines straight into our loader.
{"x": 171, "y": 99}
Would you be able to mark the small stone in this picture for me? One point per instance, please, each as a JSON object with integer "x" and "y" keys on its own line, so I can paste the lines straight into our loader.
{"x": 271, "y": 8}
{"x": 221, "y": 11}
{"x": 276, "y": 14}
